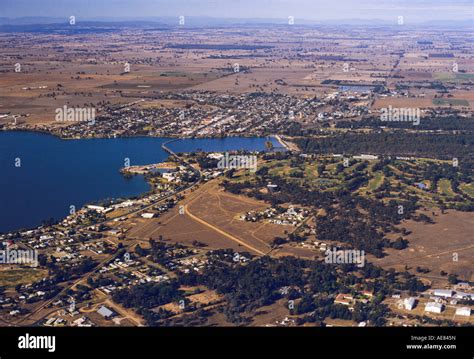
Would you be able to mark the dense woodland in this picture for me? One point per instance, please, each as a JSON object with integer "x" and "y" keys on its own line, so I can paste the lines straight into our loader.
{"x": 447, "y": 123}
{"x": 440, "y": 146}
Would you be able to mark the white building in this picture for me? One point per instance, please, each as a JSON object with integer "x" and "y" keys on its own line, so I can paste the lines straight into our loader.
{"x": 366, "y": 157}
{"x": 96, "y": 208}
{"x": 464, "y": 311}
{"x": 169, "y": 176}
{"x": 433, "y": 307}
{"x": 105, "y": 312}
{"x": 443, "y": 293}
{"x": 215, "y": 156}
{"x": 409, "y": 303}
{"x": 148, "y": 215}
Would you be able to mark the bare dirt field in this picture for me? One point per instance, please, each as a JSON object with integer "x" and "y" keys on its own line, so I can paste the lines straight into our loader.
{"x": 404, "y": 102}
{"x": 178, "y": 228}
{"x": 212, "y": 217}
{"x": 221, "y": 210}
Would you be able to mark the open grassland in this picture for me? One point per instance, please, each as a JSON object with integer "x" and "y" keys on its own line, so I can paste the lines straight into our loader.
{"x": 10, "y": 277}
{"x": 468, "y": 189}
{"x": 445, "y": 188}
{"x": 376, "y": 181}
{"x": 453, "y": 76}
{"x": 450, "y": 102}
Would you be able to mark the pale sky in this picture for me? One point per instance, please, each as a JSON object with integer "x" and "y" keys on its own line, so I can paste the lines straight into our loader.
{"x": 318, "y": 10}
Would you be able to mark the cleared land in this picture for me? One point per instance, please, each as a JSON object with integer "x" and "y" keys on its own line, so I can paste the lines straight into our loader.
{"x": 212, "y": 217}
{"x": 436, "y": 246}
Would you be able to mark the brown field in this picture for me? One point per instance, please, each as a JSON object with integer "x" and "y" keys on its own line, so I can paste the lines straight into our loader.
{"x": 10, "y": 276}
{"x": 178, "y": 228}
{"x": 221, "y": 209}
{"x": 205, "y": 298}
{"x": 268, "y": 315}
{"x": 405, "y": 102}
{"x": 432, "y": 246}
{"x": 211, "y": 217}
{"x": 292, "y": 250}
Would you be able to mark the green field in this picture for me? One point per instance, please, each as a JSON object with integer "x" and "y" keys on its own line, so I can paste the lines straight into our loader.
{"x": 453, "y": 76}
{"x": 376, "y": 181}
{"x": 450, "y": 101}
{"x": 444, "y": 186}
{"x": 468, "y": 188}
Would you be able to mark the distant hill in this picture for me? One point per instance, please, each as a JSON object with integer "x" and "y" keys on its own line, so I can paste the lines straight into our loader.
{"x": 198, "y": 21}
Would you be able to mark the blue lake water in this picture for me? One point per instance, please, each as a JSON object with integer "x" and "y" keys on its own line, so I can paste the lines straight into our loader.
{"x": 54, "y": 174}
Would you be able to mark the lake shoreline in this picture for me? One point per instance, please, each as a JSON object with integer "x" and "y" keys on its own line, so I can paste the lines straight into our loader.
{"x": 277, "y": 137}
{"x": 80, "y": 172}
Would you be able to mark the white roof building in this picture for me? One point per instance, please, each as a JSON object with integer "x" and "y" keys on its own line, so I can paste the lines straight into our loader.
{"x": 464, "y": 311}
{"x": 409, "y": 303}
{"x": 79, "y": 321}
{"x": 105, "y": 312}
{"x": 169, "y": 176}
{"x": 366, "y": 157}
{"x": 96, "y": 208}
{"x": 215, "y": 156}
{"x": 443, "y": 293}
{"x": 434, "y": 307}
